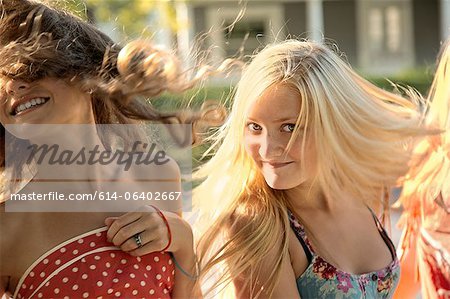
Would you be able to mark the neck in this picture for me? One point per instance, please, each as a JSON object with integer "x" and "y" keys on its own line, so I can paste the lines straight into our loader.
{"x": 309, "y": 196}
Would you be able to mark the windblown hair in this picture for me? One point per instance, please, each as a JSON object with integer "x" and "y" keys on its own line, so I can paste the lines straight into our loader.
{"x": 427, "y": 184}
{"x": 363, "y": 136}
{"x": 38, "y": 40}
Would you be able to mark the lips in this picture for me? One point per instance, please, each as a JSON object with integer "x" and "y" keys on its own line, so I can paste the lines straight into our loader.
{"x": 276, "y": 164}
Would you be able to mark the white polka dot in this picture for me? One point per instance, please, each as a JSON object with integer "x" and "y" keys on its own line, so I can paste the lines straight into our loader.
{"x": 135, "y": 266}
{"x": 123, "y": 261}
{"x": 47, "y": 284}
{"x": 152, "y": 291}
{"x": 85, "y": 295}
{"x": 119, "y": 271}
{"x": 92, "y": 244}
{"x": 127, "y": 285}
{"x": 142, "y": 283}
{"x": 115, "y": 280}
{"x": 165, "y": 291}
{"x": 96, "y": 257}
{"x": 42, "y": 274}
{"x": 108, "y": 265}
{"x": 31, "y": 274}
{"x": 40, "y": 295}
{"x": 134, "y": 292}
{"x": 31, "y": 287}
{"x": 98, "y": 234}
{"x": 65, "y": 280}
{"x": 173, "y": 272}
{"x": 83, "y": 260}
{"x": 75, "y": 269}
{"x": 99, "y": 283}
{"x": 168, "y": 278}
{"x": 132, "y": 275}
{"x": 99, "y": 297}
{"x": 75, "y": 251}
{"x": 112, "y": 255}
{"x": 92, "y": 267}
{"x": 104, "y": 273}
{"x": 81, "y": 241}
{"x": 66, "y": 297}
{"x": 145, "y": 275}
{"x": 57, "y": 262}
{"x": 148, "y": 268}
{"x": 24, "y": 286}
{"x": 63, "y": 250}
{"x": 56, "y": 291}
{"x": 156, "y": 259}
{"x": 110, "y": 291}
{"x": 160, "y": 284}
{"x": 75, "y": 287}
{"x": 45, "y": 261}
{"x": 117, "y": 294}
{"x": 84, "y": 276}
{"x": 158, "y": 276}
{"x": 138, "y": 258}
{"x": 164, "y": 268}
{"x": 170, "y": 262}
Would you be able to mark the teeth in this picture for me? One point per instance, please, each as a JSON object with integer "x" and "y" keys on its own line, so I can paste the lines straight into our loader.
{"x": 29, "y": 104}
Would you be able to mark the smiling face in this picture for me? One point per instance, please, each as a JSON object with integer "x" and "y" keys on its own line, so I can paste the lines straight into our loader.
{"x": 45, "y": 101}
{"x": 270, "y": 124}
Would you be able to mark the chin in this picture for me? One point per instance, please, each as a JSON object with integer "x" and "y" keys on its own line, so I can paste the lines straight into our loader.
{"x": 278, "y": 184}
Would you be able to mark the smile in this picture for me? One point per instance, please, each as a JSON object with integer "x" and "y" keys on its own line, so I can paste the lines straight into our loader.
{"x": 31, "y": 104}
{"x": 276, "y": 164}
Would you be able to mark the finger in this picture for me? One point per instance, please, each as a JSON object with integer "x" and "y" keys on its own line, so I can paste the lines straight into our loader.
{"x": 121, "y": 222}
{"x": 110, "y": 220}
{"x": 133, "y": 228}
{"x": 147, "y": 236}
{"x": 153, "y": 246}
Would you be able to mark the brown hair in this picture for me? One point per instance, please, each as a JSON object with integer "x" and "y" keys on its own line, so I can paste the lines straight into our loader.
{"x": 38, "y": 40}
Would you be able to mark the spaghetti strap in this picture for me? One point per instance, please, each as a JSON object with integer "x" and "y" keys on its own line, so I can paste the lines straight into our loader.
{"x": 384, "y": 234}
{"x": 301, "y": 236}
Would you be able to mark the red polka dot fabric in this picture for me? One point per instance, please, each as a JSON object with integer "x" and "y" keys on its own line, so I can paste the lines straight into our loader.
{"x": 88, "y": 266}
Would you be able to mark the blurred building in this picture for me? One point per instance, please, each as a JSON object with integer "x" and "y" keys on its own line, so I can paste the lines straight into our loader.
{"x": 377, "y": 36}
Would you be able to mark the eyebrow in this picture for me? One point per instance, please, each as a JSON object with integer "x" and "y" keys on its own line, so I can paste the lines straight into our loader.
{"x": 283, "y": 119}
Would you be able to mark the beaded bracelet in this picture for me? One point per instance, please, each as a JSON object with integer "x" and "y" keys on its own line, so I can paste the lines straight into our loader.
{"x": 167, "y": 225}
{"x": 191, "y": 277}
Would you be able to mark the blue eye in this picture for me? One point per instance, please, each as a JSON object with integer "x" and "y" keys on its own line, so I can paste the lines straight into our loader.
{"x": 288, "y": 128}
{"x": 254, "y": 127}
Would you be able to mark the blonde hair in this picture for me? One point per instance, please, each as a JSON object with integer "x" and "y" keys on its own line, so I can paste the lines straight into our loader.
{"x": 429, "y": 176}
{"x": 362, "y": 136}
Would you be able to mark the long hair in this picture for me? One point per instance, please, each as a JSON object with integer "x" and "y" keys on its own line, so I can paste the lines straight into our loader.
{"x": 38, "y": 40}
{"x": 427, "y": 184}
{"x": 362, "y": 134}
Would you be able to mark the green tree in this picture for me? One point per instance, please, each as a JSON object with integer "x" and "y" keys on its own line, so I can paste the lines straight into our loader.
{"x": 131, "y": 18}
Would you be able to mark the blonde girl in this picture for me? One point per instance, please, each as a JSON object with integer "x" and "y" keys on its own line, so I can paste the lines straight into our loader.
{"x": 309, "y": 146}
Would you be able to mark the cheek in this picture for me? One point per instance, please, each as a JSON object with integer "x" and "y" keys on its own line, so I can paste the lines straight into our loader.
{"x": 251, "y": 147}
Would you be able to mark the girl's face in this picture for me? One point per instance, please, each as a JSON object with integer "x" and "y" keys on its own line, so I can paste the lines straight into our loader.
{"x": 45, "y": 101}
{"x": 269, "y": 125}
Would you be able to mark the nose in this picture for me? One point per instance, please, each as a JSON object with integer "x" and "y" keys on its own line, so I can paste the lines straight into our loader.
{"x": 271, "y": 147}
{"x": 14, "y": 86}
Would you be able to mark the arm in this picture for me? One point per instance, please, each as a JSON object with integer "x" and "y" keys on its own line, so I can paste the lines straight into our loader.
{"x": 155, "y": 233}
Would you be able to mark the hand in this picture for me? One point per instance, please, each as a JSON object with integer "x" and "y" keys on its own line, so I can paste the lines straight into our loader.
{"x": 152, "y": 229}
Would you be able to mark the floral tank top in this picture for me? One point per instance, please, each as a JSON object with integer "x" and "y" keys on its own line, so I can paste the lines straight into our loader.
{"x": 323, "y": 280}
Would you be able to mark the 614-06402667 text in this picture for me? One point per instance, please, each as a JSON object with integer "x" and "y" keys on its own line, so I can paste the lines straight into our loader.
{"x": 102, "y": 195}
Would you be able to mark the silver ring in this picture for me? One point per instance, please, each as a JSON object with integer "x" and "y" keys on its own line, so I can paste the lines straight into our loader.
{"x": 137, "y": 239}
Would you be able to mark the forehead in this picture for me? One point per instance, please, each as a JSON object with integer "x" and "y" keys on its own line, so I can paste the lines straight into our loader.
{"x": 279, "y": 101}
